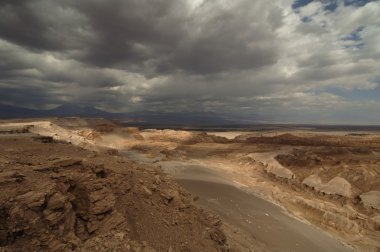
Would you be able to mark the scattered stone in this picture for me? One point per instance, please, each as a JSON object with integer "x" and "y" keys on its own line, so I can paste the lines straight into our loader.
{"x": 166, "y": 222}
{"x": 147, "y": 192}
{"x": 11, "y": 176}
{"x": 169, "y": 195}
{"x": 112, "y": 221}
{"x": 44, "y": 139}
{"x": 102, "y": 201}
{"x": 112, "y": 152}
{"x": 56, "y": 201}
{"x": 43, "y": 169}
{"x": 157, "y": 179}
{"x": 99, "y": 170}
{"x": 53, "y": 217}
{"x": 153, "y": 187}
{"x": 66, "y": 162}
{"x": 32, "y": 199}
{"x": 218, "y": 236}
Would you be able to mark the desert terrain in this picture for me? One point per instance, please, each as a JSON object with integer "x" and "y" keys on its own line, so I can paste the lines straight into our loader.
{"x": 59, "y": 192}
{"x": 76, "y": 183}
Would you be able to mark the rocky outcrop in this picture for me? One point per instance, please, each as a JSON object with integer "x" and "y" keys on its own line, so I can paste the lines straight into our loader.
{"x": 376, "y": 222}
{"x": 270, "y": 165}
{"x": 336, "y": 186}
{"x": 117, "y": 241}
{"x": 313, "y": 181}
{"x": 328, "y": 214}
{"x": 11, "y": 176}
{"x": 315, "y": 140}
{"x": 371, "y": 199}
{"x": 279, "y": 171}
{"x": 64, "y": 201}
{"x": 341, "y": 223}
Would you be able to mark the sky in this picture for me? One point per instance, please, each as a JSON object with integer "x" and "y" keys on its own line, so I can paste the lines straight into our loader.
{"x": 265, "y": 61}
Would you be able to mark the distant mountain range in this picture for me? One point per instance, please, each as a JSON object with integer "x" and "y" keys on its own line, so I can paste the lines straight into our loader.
{"x": 138, "y": 118}
{"x": 66, "y": 110}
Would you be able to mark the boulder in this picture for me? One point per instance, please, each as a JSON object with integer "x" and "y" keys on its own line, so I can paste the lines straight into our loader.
{"x": 102, "y": 201}
{"x": 169, "y": 195}
{"x": 56, "y": 201}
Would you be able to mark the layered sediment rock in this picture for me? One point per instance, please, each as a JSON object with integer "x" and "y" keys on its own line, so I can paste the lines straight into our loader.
{"x": 62, "y": 201}
{"x": 336, "y": 186}
{"x": 371, "y": 199}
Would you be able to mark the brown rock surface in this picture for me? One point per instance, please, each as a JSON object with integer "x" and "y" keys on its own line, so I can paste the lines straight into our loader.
{"x": 371, "y": 199}
{"x": 336, "y": 186}
{"x": 147, "y": 206}
{"x": 55, "y": 200}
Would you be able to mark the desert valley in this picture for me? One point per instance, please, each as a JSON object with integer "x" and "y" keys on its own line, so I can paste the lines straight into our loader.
{"x": 91, "y": 184}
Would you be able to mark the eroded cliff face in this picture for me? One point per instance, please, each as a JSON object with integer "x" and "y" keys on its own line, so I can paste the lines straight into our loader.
{"x": 334, "y": 186}
{"x": 333, "y": 183}
{"x": 59, "y": 197}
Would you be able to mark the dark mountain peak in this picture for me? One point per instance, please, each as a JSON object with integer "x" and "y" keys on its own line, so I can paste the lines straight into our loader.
{"x": 64, "y": 110}
{"x": 147, "y": 117}
{"x": 74, "y": 109}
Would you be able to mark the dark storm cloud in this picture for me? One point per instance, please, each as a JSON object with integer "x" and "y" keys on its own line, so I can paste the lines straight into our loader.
{"x": 162, "y": 32}
{"x": 133, "y": 34}
{"x": 229, "y": 39}
{"x": 28, "y": 96}
{"x": 20, "y": 24}
{"x": 40, "y": 25}
{"x": 63, "y": 49}
{"x": 130, "y": 31}
{"x": 168, "y": 55}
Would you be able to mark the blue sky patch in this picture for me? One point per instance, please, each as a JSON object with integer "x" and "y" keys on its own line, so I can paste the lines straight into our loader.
{"x": 331, "y": 5}
{"x": 357, "y": 2}
{"x": 300, "y": 3}
{"x": 355, "y": 35}
{"x": 306, "y": 19}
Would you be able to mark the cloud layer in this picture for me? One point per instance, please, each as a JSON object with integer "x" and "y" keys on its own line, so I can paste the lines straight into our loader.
{"x": 276, "y": 61}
